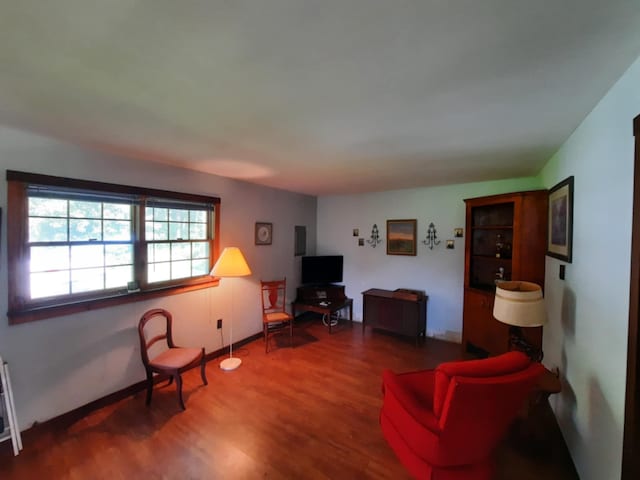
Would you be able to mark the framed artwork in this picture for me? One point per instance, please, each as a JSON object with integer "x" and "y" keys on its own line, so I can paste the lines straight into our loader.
{"x": 401, "y": 237}
{"x": 263, "y": 233}
{"x": 560, "y": 228}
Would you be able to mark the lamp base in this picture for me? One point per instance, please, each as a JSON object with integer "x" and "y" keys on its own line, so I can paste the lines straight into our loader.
{"x": 517, "y": 341}
{"x": 230, "y": 363}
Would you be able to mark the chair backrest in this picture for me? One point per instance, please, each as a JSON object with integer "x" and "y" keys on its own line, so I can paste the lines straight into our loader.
{"x": 274, "y": 294}
{"x": 478, "y": 399}
{"x": 166, "y": 334}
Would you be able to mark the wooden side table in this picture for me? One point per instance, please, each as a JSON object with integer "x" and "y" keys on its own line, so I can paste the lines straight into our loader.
{"x": 548, "y": 384}
{"x": 536, "y": 420}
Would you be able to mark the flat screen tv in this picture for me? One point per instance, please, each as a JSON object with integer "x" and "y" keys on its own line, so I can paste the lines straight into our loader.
{"x": 322, "y": 269}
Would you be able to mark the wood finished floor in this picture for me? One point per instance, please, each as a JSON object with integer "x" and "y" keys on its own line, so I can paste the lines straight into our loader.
{"x": 310, "y": 412}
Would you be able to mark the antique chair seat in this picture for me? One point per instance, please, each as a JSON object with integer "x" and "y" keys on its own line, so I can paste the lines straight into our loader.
{"x": 173, "y": 360}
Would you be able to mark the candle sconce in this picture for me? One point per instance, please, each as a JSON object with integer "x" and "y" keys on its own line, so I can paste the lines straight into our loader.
{"x": 432, "y": 237}
{"x": 375, "y": 236}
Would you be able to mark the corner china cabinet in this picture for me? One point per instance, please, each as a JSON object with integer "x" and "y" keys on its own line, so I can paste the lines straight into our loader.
{"x": 505, "y": 240}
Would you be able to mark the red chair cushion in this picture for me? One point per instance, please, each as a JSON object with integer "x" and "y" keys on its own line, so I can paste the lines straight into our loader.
{"x": 507, "y": 363}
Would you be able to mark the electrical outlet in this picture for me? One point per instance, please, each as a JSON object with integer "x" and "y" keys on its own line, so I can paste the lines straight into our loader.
{"x": 219, "y": 324}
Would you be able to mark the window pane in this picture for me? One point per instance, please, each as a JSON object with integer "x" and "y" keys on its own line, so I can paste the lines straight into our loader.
{"x": 148, "y": 230}
{"x": 200, "y": 250}
{"x": 199, "y": 216}
{"x": 158, "y": 272}
{"x": 80, "y": 209}
{"x": 178, "y": 231}
{"x": 117, "y": 230}
{"x": 87, "y": 280}
{"x": 116, "y": 211}
{"x": 87, "y": 256}
{"x": 118, "y": 276}
{"x": 49, "y": 284}
{"x": 199, "y": 267}
{"x": 181, "y": 269}
{"x": 84, "y": 230}
{"x": 198, "y": 231}
{"x": 159, "y": 252}
{"x": 160, "y": 231}
{"x": 47, "y": 230}
{"x": 118, "y": 254}
{"x": 47, "y": 207}
{"x": 178, "y": 215}
{"x": 180, "y": 251}
{"x": 49, "y": 258}
{"x": 160, "y": 214}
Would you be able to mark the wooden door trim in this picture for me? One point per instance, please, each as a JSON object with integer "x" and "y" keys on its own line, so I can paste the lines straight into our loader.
{"x": 631, "y": 443}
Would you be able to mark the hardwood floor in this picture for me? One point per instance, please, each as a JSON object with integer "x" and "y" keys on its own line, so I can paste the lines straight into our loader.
{"x": 310, "y": 412}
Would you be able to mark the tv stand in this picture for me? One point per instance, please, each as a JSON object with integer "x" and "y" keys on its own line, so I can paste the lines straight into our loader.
{"x": 323, "y": 299}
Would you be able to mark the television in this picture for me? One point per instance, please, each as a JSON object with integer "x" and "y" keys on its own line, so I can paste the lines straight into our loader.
{"x": 321, "y": 269}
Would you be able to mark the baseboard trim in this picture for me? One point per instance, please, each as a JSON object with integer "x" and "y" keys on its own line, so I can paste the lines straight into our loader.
{"x": 80, "y": 412}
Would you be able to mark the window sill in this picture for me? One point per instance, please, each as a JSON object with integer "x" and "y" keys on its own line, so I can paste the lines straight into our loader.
{"x": 40, "y": 313}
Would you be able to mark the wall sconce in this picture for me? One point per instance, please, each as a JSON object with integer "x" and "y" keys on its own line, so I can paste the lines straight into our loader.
{"x": 375, "y": 236}
{"x": 432, "y": 237}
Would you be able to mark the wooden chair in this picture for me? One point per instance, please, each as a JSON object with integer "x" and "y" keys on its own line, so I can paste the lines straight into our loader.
{"x": 173, "y": 360}
{"x": 274, "y": 316}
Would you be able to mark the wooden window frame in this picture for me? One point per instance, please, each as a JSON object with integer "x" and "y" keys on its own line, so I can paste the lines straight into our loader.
{"x": 22, "y": 310}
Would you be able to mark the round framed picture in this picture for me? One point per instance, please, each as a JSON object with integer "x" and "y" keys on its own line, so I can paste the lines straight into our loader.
{"x": 263, "y": 233}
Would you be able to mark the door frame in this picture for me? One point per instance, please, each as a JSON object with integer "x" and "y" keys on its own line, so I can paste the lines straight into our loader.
{"x": 631, "y": 442}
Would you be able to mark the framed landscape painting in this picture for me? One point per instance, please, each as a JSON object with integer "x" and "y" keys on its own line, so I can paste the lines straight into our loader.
{"x": 560, "y": 228}
{"x": 401, "y": 237}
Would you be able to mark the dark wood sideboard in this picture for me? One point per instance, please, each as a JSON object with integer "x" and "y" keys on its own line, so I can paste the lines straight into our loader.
{"x": 399, "y": 311}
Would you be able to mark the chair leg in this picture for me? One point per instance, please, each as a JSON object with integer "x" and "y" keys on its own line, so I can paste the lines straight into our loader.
{"x": 265, "y": 328}
{"x": 149, "y": 386}
{"x": 179, "y": 389}
{"x": 203, "y": 364}
{"x": 170, "y": 381}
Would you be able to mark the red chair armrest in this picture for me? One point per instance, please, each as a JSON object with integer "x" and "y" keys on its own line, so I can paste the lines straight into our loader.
{"x": 414, "y": 392}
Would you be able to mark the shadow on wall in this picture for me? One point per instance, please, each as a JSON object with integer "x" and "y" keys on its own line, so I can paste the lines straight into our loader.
{"x": 602, "y": 452}
{"x": 568, "y": 314}
{"x": 596, "y": 446}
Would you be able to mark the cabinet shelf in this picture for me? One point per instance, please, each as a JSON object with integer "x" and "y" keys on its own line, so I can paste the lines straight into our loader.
{"x": 493, "y": 227}
{"x": 492, "y": 257}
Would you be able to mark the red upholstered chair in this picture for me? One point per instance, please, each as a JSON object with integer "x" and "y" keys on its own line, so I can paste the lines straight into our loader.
{"x": 170, "y": 360}
{"x": 444, "y": 424}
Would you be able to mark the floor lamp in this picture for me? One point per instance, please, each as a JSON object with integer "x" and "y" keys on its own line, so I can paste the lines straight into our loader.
{"x": 520, "y": 304}
{"x": 231, "y": 264}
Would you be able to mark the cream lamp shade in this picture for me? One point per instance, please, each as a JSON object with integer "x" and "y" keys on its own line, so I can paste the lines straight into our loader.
{"x": 519, "y": 304}
{"x": 231, "y": 264}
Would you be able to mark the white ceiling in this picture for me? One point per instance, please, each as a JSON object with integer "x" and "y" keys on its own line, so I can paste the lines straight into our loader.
{"x": 316, "y": 96}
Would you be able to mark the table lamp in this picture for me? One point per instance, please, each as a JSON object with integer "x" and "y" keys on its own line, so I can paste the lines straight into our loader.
{"x": 231, "y": 264}
{"x": 520, "y": 304}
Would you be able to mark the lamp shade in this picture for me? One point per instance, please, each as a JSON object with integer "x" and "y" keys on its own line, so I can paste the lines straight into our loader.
{"x": 231, "y": 264}
{"x": 519, "y": 304}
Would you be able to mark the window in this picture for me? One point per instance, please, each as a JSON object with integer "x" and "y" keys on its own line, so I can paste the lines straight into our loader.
{"x": 76, "y": 245}
{"x": 177, "y": 242}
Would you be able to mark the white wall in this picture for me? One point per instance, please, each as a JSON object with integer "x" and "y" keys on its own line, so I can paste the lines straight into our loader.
{"x": 439, "y": 272}
{"x": 62, "y": 363}
{"x": 588, "y": 312}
